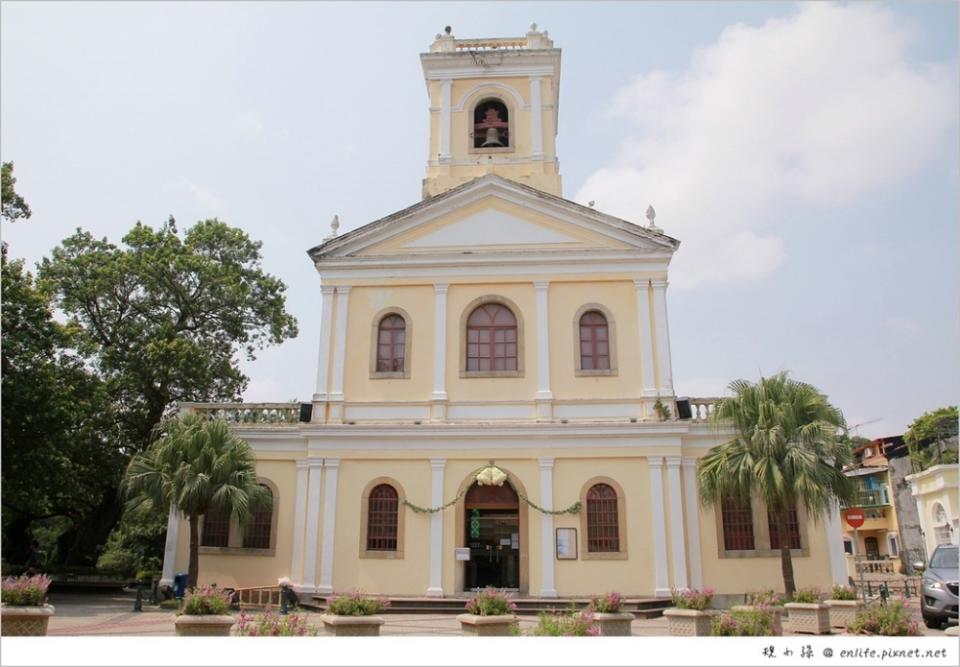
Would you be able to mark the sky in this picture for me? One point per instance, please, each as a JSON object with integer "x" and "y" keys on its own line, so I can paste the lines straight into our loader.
{"x": 806, "y": 155}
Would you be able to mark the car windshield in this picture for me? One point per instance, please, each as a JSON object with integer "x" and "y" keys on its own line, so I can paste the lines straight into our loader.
{"x": 945, "y": 558}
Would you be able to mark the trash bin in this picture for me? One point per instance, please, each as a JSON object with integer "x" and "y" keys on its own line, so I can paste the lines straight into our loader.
{"x": 180, "y": 584}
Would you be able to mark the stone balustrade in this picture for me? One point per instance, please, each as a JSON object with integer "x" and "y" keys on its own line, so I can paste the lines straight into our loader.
{"x": 267, "y": 414}
{"x": 702, "y": 408}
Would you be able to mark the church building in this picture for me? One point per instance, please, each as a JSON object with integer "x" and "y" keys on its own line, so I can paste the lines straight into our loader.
{"x": 494, "y": 404}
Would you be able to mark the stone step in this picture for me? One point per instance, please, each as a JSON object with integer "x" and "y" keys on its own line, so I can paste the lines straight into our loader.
{"x": 641, "y": 607}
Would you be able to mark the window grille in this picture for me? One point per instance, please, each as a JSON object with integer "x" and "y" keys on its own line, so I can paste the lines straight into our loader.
{"x": 382, "y": 518}
{"x": 791, "y": 529}
{"x": 603, "y": 527}
{"x": 737, "y": 520}
{"x": 216, "y": 529}
{"x": 258, "y": 532}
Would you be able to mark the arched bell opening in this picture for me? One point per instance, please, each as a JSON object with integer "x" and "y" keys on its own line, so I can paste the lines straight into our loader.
{"x": 491, "y": 124}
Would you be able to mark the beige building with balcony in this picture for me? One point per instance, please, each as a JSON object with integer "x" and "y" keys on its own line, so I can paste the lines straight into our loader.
{"x": 495, "y": 401}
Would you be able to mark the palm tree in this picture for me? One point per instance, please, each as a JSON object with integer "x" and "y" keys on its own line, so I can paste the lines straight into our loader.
{"x": 785, "y": 451}
{"x": 197, "y": 466}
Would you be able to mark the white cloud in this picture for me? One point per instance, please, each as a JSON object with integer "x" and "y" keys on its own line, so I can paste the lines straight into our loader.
{"x": 818, "y": 108}
{"x": 251, "y": 126}
{"x": 204, "y": 197}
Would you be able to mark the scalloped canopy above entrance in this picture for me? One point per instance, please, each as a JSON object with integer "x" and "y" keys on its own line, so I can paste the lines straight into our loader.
{"x": 494, "y": 215}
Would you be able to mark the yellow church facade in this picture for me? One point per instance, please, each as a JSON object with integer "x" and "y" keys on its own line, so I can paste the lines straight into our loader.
{"x": 494, "y": 330}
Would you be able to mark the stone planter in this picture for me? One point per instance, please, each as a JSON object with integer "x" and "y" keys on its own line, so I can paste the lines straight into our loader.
{"x": 843, "y": 612}
{"x": 206, "y": 625}
{"x": 473, "y": 625}
{"x": 352, "y": 626}
{"x": 25, "y": 621}
{"x": 687, "y": 622}
{"x": 776, "y": 610}
{"x": 614, "y": 624}
{"x": 808, "y": 617}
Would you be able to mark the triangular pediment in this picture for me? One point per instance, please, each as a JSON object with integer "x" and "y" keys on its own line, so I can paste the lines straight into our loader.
{"x": 490, "y": 215}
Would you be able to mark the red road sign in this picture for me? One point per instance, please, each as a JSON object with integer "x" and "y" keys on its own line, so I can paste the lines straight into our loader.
{"x": 855, "y": 518}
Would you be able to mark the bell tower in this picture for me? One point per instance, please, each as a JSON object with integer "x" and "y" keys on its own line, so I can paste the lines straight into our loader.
{"x": 493, "y": 109}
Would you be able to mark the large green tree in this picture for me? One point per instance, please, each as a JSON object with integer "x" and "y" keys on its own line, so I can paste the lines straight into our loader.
{"x": 163, "y": 319}
{"x": 197, "y": 466}
{"x": 785, "y": 451}
{"x": 928, "y": 435}
{"x": 14, "y": 206}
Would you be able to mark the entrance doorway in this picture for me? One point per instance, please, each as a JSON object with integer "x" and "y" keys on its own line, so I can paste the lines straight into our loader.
{"x": 872, "y": 547}
{"x": 492, "y": 527}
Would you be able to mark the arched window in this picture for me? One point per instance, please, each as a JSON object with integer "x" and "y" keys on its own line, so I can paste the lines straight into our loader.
{"x": 216, "y": 529}
{"x": 737, "y": 520}
{"x": 391, "y": 344}
{"x": 603, "y": 525}
{"x": 791, "y": 529}
{"x": 382, "y": 510}
{"x": 491, "y": 124}
{"x": 257, "y": 535}
{"x": 594, "y": 342}
{"x": 491, "y": 339}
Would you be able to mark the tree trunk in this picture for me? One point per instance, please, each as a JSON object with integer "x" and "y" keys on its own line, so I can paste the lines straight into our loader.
{"x": 194, "y": 569}
{"x": 82, "y": 543}
{"x": 786, "y": 558}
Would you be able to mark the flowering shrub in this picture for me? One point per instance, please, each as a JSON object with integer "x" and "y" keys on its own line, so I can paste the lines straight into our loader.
{"x": 892, "y": 620}
{"x": 25, "y": 591}
{"x": 356, "y": 604}
{"x": 491, "y": 602}
{"x": 753, "y": 623}
{"x": 270, "y": 624}
{"x": 691, "y": 598}
{"x": 843, "y": 593}
{"x": 206, "y": 600}
{"x": 607, "y": 604}
{"x": 576, "y": 624}
{"x": 807, "y": 595}
{"x": 764, "y": 598}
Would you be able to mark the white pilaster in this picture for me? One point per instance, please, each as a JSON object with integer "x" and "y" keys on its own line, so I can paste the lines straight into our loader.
{"x": 445, "y": 107}
{"x": 314, "y": 483}
{"x": 332, "y": 466}
{"x": 439, "y": 396}
{"x": 664, "y": 365}
{"x": 548, "y": 587}
{"x": 678, "y": 545}
{"x": 436, "y": 529}
{"x": 339, "y": 353}
{"x": 659, "y": 526}
{"x": 323, "y": 361}
{"x": 536, "y": 119}
{"x": 170, "y": 547}
{"x": 299, "y": 522}
{"x": 544, "y": 394}
{"x": 838, "y": 560}
{"x": 692, "y": 506}
{"x": 646, "y": 337}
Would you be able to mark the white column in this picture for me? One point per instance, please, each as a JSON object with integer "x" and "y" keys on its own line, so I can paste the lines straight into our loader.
{"x": 548, "y": 587}
{"x": 339, "y": 353}
{"x": 170, "y": 547}
{"x": 678, "y": 545}
{"x": 664, "y": 365}
{"x": 314, "y": 482}
{"x": 536, "y": 118}
{"x": 691, "y": 502}
{"x": 445, "y": 107}
{"x": 299, "y": 522}
{"x": 332, "y": 467}
{"x": 544, "y": 395}
{"x": 659, "y": 526}
{"x": 838, "y": 561}
{"x": 323, "y": 361}
{"x": 436, "y": 529}
{"x": 646, "y": 337}
{"x": 439, "y": 396}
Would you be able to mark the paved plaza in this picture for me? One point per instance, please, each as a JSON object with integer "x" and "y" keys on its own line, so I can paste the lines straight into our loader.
{"x": 91, "y": 614}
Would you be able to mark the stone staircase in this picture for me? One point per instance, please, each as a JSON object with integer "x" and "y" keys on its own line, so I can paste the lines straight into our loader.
{"x": 526, "y": 606}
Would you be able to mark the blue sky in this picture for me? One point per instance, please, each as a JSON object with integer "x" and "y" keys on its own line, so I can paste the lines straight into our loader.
{"x": 805, "y": 155}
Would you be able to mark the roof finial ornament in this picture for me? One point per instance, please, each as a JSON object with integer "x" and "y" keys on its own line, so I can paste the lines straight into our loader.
{"x": 334, "y": 227}
{"x": 448, "y": 29}
{"x": 651, "y": 216}
{"x": 533, "y": 27}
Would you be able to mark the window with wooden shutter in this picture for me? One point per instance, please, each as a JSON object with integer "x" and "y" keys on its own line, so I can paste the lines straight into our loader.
{"x": 594, "y": 342}
{"x": 491, "y": 339}
{"x": 391, "y": 344}
{"x": 383, "y": 506}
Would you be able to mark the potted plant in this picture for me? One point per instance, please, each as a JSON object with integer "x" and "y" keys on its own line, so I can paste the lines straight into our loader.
{"x": 270, "y": 624}
{"x": 24, "y": 609}
{"x": 489, "y": 614}
{"x": 747, "y": 621}
{"x": 575, "y": 624}
{"x": 843, "y": 606}
{"x": 205, "y": 613}
{"x": 662, "y": 410}
{"x": 687, "y": 617}
{"x": 354, "y": 615}
{"x": 609, "y": 615}
{"x": 891, "y": 620}
{"x": 768, "y": 602}
{"x": 807, "y": 612}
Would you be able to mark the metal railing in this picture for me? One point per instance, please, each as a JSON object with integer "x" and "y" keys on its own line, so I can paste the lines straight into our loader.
{"x": 870, "y": 498}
